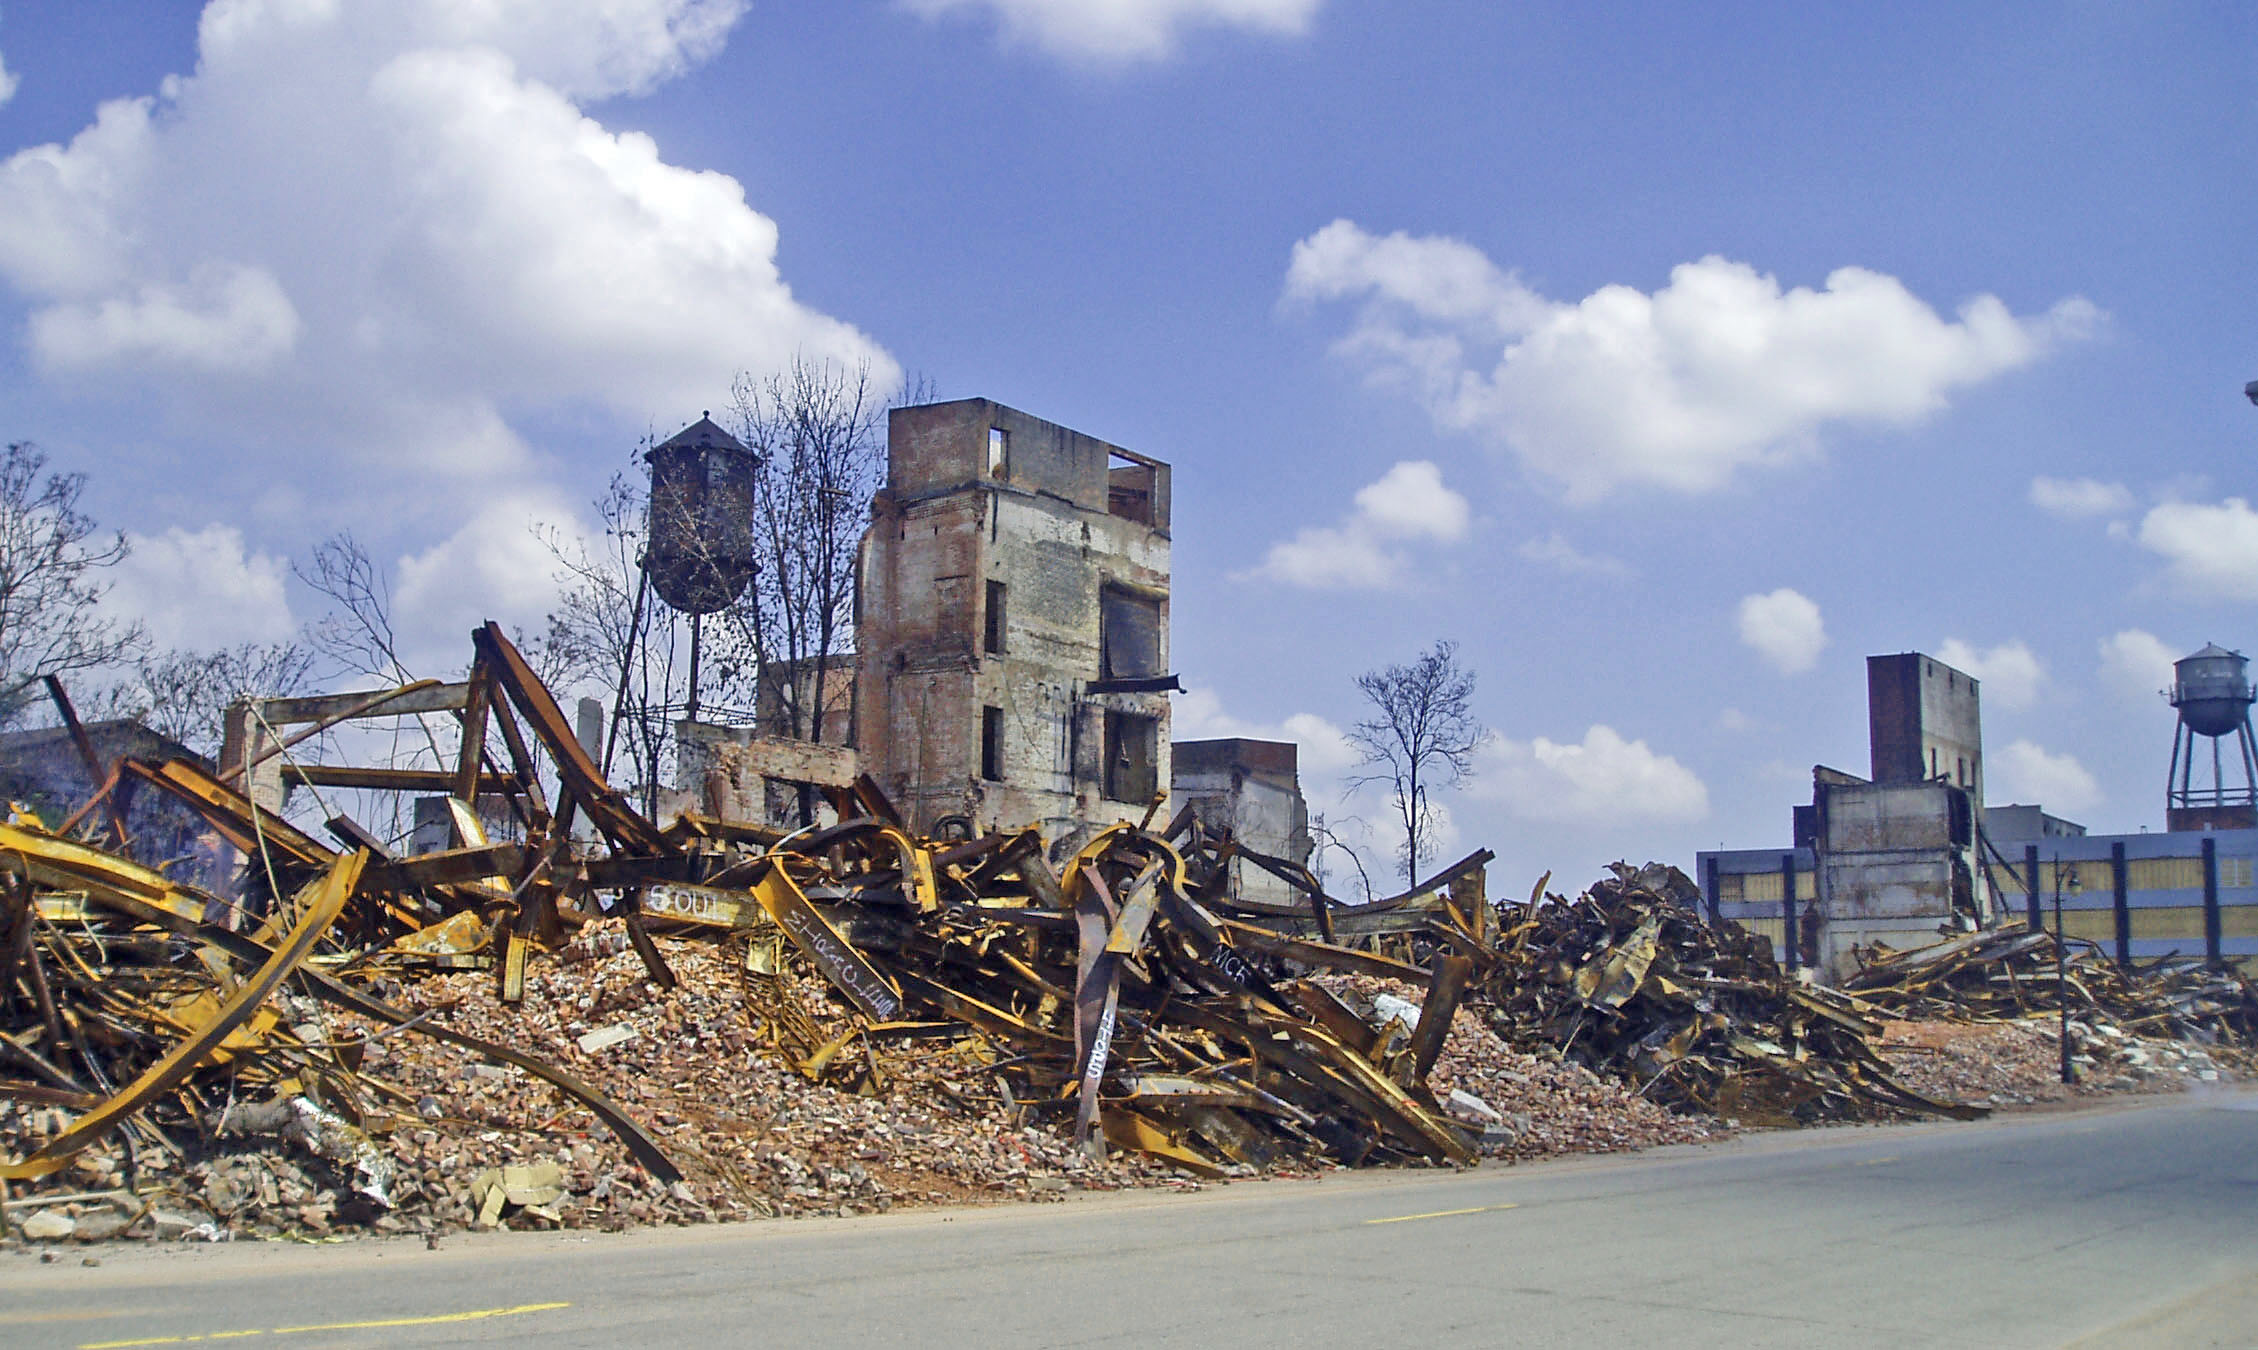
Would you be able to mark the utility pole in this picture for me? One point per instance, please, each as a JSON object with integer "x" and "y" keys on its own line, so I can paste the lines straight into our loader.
{"x": 2062, "y": 975}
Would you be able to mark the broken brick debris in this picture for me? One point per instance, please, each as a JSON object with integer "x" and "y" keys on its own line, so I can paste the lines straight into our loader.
{"x": 714, "y": 1020}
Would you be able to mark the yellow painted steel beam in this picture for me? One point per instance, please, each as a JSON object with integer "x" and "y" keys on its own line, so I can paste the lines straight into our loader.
{"x": 321, "y": 902}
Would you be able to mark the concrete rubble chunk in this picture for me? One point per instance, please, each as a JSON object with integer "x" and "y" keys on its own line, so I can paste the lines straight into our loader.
{"x": 47, "y": 1225}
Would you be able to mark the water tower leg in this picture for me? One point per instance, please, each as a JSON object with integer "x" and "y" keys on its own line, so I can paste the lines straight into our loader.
{"x": 2249, "y": 763}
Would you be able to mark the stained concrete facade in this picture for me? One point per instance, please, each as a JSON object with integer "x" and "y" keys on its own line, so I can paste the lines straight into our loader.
{"x": 1897, "y": 858}
{"x": 1924, "y": 722}
{"x": 1897, "y": 865}
{"x": 1250, "y": 790}
{"x": 738, "y": 775}
{"x": 1012, "y": 629}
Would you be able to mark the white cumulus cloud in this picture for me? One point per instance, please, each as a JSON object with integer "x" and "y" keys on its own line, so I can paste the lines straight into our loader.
{"x": 225, "y": 319}
{"x": 1325, "y": 752}
{"x": 2080, "y": 498}
{"x": 201, "y": 589}
{"x": 1601, "y": 780}
{"x": 361, "y": 238}
{"x": 1554, "y": 551}
{"x": 1124, "y": 30}
{"x": 1365, "y": 549}
{"x": 2212, "y": 551}
{"x": 1718, "y": 371}
{"x": 1785, "y": 628}
{"x": 2136, "y": 665}
{"x": 2011, "y": 674}
{"x": 2024, "y": 772}
{"x": 494, "y": 567}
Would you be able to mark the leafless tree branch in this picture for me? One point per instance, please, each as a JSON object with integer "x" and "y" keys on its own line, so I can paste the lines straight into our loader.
{"x": 1422, "y": 733}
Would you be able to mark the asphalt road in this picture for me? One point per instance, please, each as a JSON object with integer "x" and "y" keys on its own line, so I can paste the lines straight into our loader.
{"x": 2126, "y": 1225}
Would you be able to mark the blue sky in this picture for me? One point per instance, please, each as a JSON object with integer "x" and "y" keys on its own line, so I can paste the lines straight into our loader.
{"x": 1669, "y": 359}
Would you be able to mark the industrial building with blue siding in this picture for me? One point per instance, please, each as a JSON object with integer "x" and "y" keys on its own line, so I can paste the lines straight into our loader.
{"x": 1905, "y": 857}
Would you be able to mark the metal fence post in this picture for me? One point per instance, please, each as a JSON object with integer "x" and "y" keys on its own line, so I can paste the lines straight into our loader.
{"x": 2210, "y": 898}
{"x": 2122, "y": 914}
{"x": 1793, "y": 939}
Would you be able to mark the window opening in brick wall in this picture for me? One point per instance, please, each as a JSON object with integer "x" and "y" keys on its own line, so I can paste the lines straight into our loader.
{"x": 999, "y": 451}
{"x": 992, "y": 744}
{"x": 1132, "y": 749}
{"x": 1129, "y": 631}
{"x": 992, "y": 640}
{"x": 1129, "y": 489}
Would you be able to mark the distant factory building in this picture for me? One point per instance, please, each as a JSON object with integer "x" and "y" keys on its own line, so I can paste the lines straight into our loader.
{"x": 1910, "y": 854}
{"x": 1892, "y": 858}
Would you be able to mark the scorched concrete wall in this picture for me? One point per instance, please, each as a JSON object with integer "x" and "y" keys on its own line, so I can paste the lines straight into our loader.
{"x": 990, "y": 554}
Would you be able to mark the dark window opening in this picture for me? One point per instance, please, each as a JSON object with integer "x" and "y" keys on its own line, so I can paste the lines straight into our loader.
{"x": 1129, "y": 635}
{"x": 992, "y": 640}
{"x": 1132, "y": 749}
{"x": 999, "y": 451}
{"x": 1129, "y": 488}
{"x": 1960, "y": 772}
{"x": 992, "y": 744}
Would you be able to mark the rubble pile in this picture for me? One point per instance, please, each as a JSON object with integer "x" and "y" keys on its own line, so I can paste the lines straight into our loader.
{"x": 1014, "y": 1019}
{"x": 1628, "y": 979}
{"x": 597, "y": 1021}
{"x": 2018, "y": 1063}
{"x": 906, "y": 1121}
{"x": 2009, "y": 973}
{"x": 1529, "y": 1103}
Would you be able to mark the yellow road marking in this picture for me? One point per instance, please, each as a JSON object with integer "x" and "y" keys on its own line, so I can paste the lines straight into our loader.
{"x": 1873, "y": 1162}
{"x": 472, "y": 1316}
{"x": 1442, "y": 1214}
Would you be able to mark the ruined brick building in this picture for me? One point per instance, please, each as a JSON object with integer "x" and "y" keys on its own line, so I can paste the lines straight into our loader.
{"x": 1013, "y": 624}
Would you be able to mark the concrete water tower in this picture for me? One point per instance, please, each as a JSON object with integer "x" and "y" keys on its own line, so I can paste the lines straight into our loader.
{"x": 2211, "y": 690}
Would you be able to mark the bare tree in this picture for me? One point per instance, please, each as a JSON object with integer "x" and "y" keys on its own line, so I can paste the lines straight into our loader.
{"x": 818, "y": 432}
{"x": 1422, "y": 733}
{"x": 185, "y": 694}
{"x": 52, "y": 561}
{"x": 356, "y": 634}
{"x": 777, "y": 654}
{"x": 1324, "y": 839}
{"x": 596, "y": 637}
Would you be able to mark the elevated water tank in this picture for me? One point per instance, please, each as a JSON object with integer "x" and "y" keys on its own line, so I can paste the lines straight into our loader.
{"x": 2212, "y": 690}
{"x": 700, "y": 554}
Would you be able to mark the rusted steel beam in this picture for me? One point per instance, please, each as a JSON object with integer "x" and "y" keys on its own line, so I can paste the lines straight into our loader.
{"x": 450, "y": 867}
{"x": 431, "y": 781}
{"x": 1324, "y": 956}
{"x": 322, "y": 901}
{"x": 1444, "y": 993}
{"x": 247, "y": 826}
{"x": 472, "y": 755}
{"x": 521, "y": 761}
{"x": 420, "y": 696}
{"x": 847, "y": 969}
{"x": 403, "y": 700}
{"x": 609, "y": 810}
{"x": 95, "y": 772}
